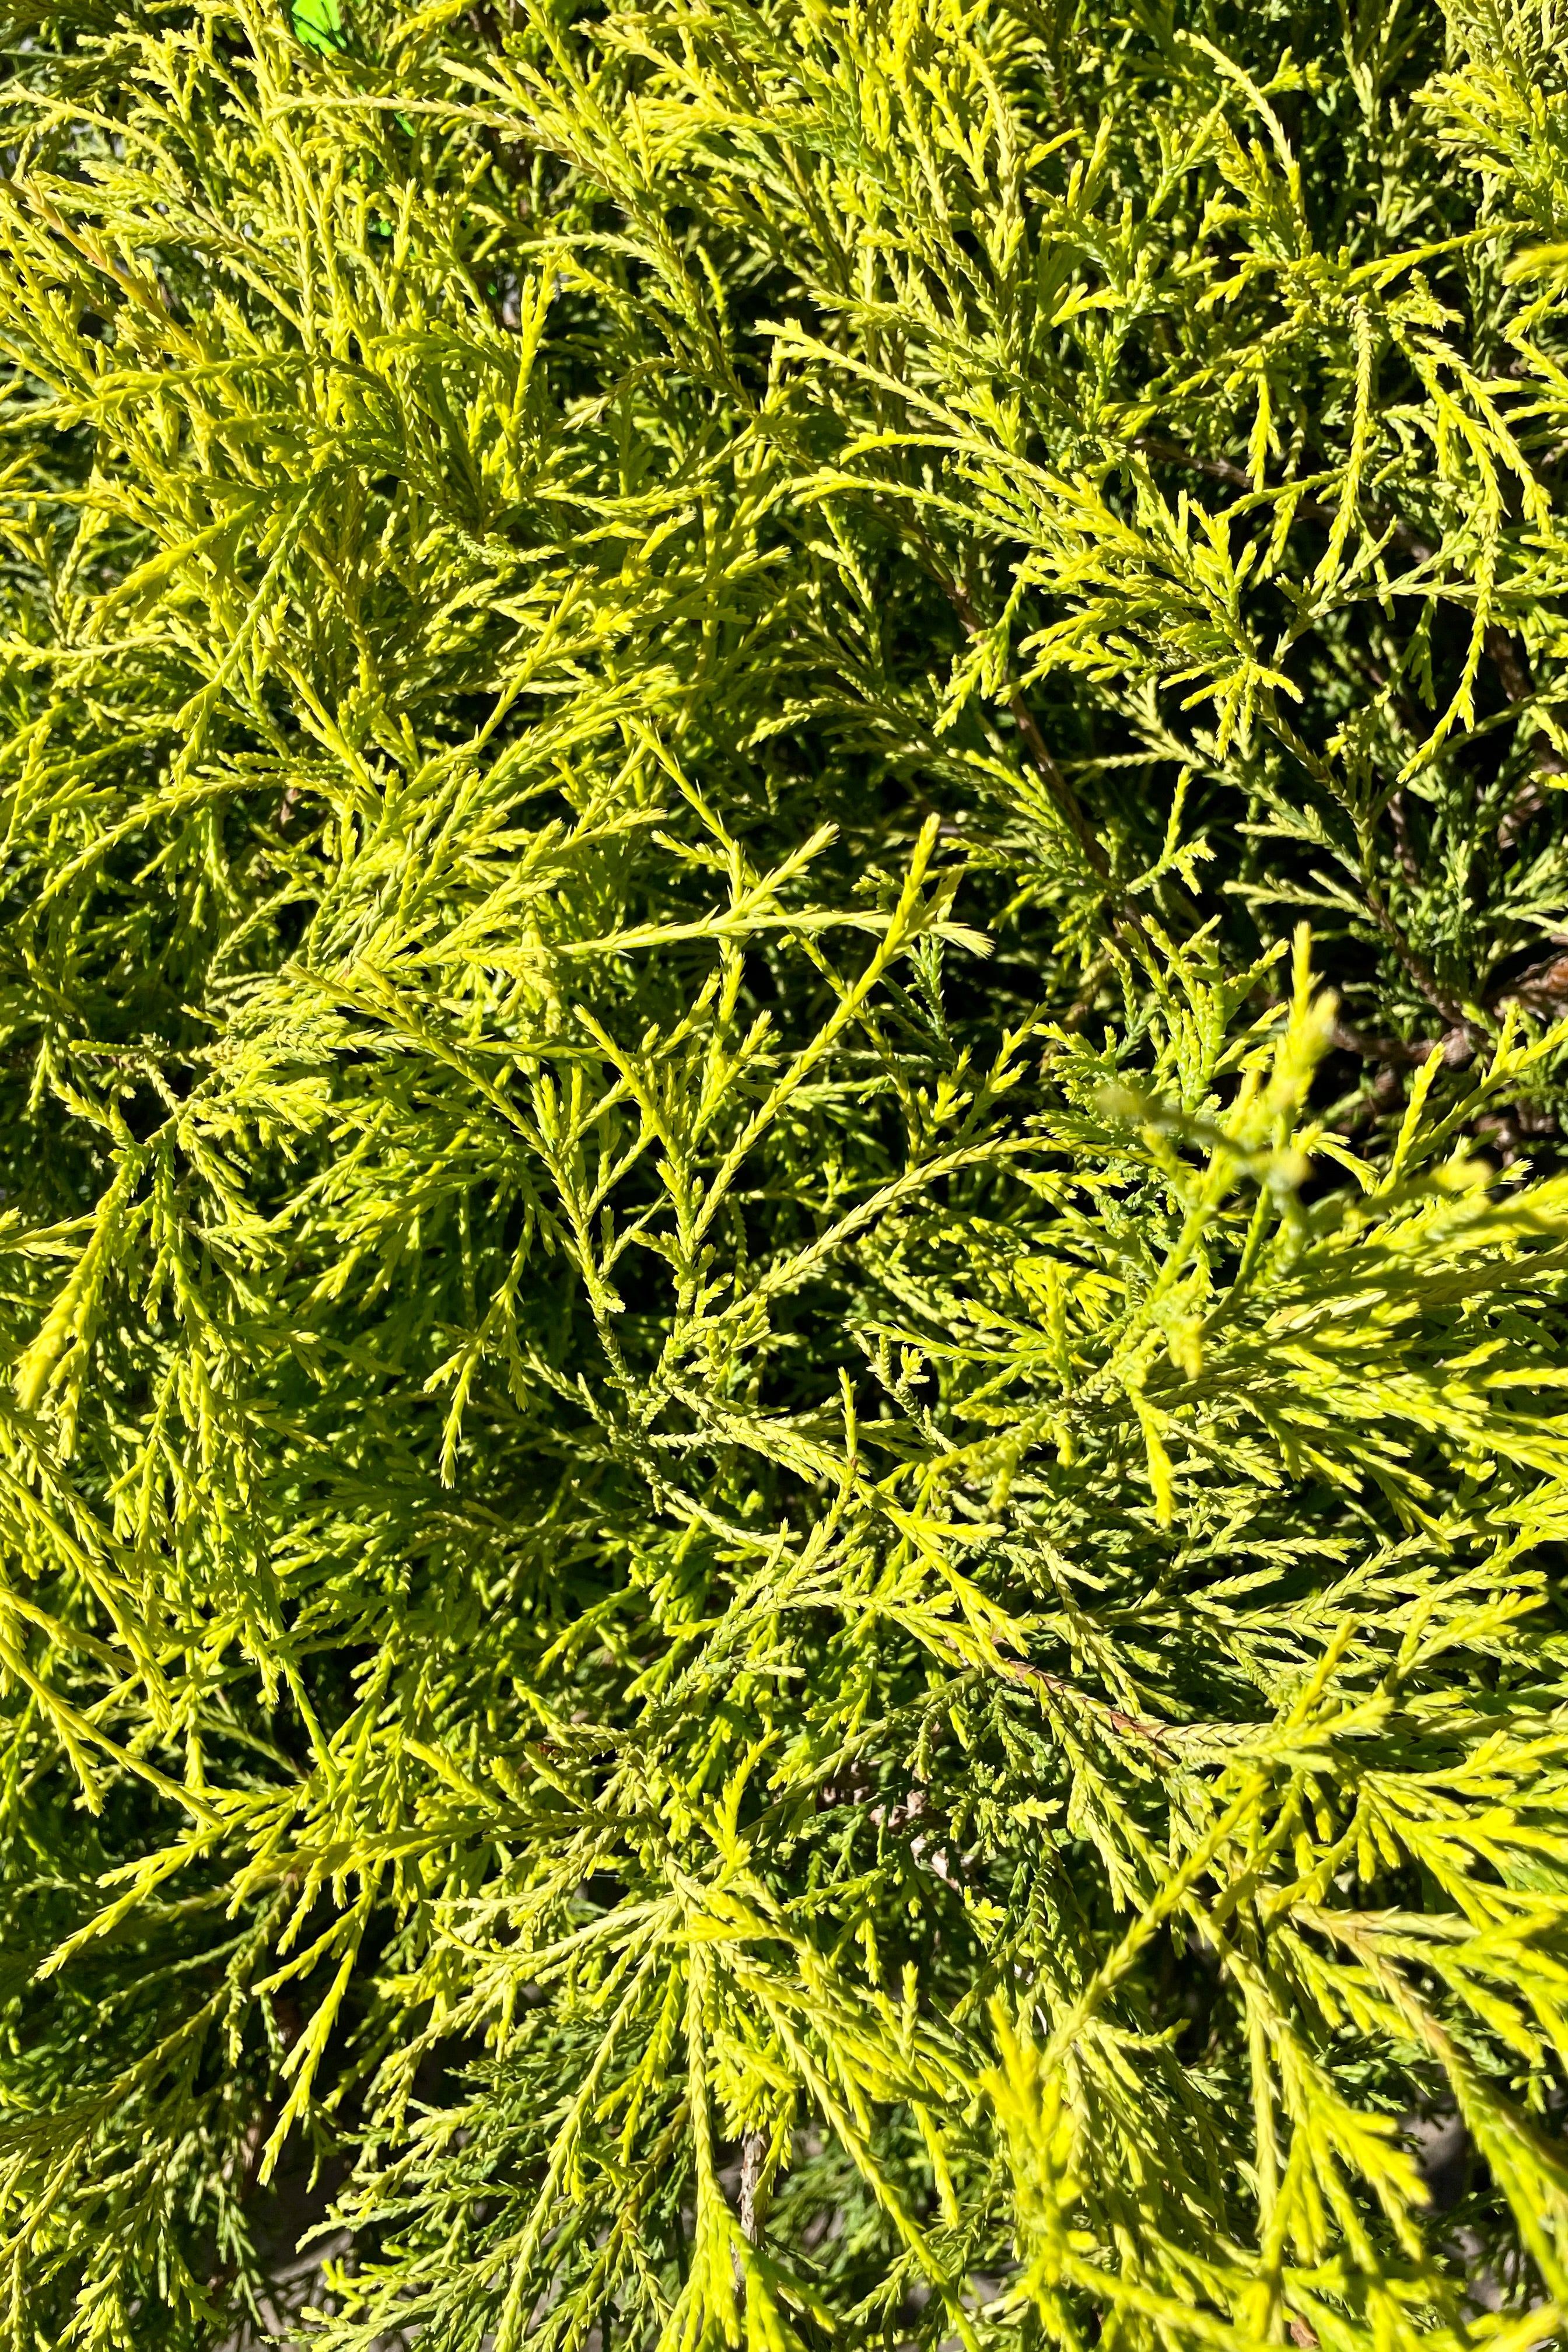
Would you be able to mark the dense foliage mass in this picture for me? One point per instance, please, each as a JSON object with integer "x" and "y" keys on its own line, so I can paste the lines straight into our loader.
{"x": 786, "y": 1296}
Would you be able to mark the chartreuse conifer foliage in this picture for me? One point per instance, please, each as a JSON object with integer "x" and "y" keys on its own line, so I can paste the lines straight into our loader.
{"x": 786, "y": 1304}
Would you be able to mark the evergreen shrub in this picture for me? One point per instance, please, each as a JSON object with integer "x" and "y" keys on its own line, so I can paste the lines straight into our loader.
{"x": 785, "y": 1260}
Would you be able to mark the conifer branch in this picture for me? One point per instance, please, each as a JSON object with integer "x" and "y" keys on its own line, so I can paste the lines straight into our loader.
{"x": 782, "y": 1473}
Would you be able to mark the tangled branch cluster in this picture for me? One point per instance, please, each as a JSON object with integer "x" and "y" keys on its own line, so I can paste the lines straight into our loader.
{"x": 784, "y": 1471}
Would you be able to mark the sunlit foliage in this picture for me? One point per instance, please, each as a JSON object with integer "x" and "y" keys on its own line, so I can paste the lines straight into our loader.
{"x": 784, "y": 1268}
